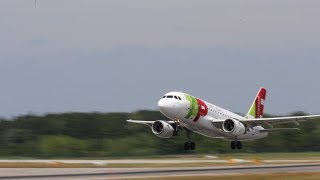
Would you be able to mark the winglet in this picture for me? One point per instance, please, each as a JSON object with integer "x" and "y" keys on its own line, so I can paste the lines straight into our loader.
{"x": 257, "y": 107}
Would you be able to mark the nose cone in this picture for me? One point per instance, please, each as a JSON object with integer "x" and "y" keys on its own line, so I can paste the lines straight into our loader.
{"x": 166, "y": 107}
{"x": 163, "y": 105}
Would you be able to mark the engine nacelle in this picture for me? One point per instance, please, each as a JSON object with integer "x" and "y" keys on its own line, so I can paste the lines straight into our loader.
{"x": 233, "y": 127}
{"x": 162, "y": 129}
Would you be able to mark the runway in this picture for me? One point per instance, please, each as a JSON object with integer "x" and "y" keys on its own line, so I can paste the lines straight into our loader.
{"x": 161, "y": 161}
{"x": 125, "y": 173}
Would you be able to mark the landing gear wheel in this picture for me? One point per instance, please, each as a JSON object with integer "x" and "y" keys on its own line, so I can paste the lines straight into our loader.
{"x": 192, "y": 145}
{"x": 186, "y": 146}
{"x": 239, "y": 145}
{"x": 233, "y": 145}
{"x": 189, "y": 145}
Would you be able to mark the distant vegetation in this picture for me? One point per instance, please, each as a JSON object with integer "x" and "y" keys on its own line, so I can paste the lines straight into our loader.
{"x": 108, "y": 134}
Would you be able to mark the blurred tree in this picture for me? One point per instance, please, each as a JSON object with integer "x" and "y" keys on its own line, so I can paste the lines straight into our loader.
{"x": 108, "y": 134}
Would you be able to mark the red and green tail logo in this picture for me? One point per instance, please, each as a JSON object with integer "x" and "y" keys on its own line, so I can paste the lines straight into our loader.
{"x": 257, "y": 107}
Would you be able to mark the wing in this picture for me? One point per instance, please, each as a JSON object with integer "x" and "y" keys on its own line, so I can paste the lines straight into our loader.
{"x": 279, "y": 120}
{"x": 148, "y": 123}
{"x": 279, "y": 129}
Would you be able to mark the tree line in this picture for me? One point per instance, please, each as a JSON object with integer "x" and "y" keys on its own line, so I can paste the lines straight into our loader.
{"x": 109, "y": 135}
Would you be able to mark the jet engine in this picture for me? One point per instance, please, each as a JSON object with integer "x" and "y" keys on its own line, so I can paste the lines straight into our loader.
{"x": 162, "y": 129}
{"x": 233, "y": 127}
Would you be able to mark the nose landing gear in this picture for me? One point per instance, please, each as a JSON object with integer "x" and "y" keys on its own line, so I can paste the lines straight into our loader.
{"x": 189, "y": 144}
{"x": 176, "y": 127}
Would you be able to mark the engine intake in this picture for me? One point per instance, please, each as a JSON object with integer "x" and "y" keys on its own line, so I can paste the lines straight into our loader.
{"x": 162, "y": 129}
{"x": 233, "y": 127}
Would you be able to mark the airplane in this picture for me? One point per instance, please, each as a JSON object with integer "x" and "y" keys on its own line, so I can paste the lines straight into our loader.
{"x": 192, "y": 114}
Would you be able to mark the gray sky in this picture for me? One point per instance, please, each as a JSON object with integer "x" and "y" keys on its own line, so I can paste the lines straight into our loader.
{"x": 100, "y": 55}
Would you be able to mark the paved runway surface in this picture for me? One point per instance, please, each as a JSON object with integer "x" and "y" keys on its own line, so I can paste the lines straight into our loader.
{"x": 125, "y": 173}
{"x": 159, "y": 161}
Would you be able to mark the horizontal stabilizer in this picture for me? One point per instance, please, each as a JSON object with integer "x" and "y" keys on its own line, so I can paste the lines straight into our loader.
{"x": 279, "y": 129}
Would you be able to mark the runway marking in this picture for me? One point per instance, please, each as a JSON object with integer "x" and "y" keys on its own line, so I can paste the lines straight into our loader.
{"x": 146, "y": 172}
{"x": 159, "y": 161}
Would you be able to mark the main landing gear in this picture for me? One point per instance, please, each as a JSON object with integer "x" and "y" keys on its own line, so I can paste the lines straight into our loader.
{"x": 189, "y": 144}
{"x": 236, "y": 144}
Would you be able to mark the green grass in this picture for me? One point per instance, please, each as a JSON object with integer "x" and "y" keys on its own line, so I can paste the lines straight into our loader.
{"x": 276, "y": 176}
{"x": 274, "y": 156}
{"x": 269, "y": 156}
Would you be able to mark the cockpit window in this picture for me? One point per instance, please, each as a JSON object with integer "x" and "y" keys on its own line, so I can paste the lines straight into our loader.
{"x": 172, "y": 96}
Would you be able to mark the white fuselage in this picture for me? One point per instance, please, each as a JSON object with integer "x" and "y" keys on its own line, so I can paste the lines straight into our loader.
{"x": 199, "y": 116}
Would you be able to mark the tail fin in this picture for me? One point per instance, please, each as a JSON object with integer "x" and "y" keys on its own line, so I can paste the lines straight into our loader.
{"x": 256, "y": 109}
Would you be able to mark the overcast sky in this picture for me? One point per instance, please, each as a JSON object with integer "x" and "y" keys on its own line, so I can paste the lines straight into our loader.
{"x": 101, "y": 55}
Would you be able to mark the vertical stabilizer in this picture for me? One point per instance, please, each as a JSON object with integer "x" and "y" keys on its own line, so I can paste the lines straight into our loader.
{"x": 257, "y": 107}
